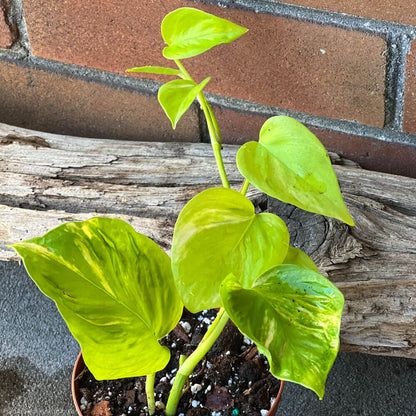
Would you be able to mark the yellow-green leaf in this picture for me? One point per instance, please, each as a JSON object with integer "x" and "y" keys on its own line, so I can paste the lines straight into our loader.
{"x": 115, "y": 290}
{"x": 293, "y": 315}
{"x": 218, "y": 233}
{"x": 289, "y": 163}
{"x": 155, "y": 70}
{"x": 299, "y": 258}
{"x": 176, "y": 97}
{"x": 190, "y": 32}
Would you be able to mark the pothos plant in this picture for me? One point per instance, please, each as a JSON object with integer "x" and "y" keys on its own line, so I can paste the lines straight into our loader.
{"x": 120, "y": 293}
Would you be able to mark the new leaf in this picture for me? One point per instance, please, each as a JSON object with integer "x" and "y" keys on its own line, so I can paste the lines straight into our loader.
{"x": 155, "y": 70}
{"x": 289, "y": 163}
{"x": 190, "y": 32}
{"x": 115, "y": 290}
{"x": 293, "y": 315}
{"x": 218, "y": 233}
{"x": 176, "y": 97}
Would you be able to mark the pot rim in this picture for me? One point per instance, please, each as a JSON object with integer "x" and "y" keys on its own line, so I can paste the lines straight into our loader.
{"x": 80, "y": 365}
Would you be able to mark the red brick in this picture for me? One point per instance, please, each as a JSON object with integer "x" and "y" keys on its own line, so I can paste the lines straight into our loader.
{"x": 409, "y": 111}
{"x": 371, "y": 154}
{"x": 49, "y": 102}
{"x": 402, "y": 12}
{"x": 238, "y": 128}
{"x": 316, "y": 69}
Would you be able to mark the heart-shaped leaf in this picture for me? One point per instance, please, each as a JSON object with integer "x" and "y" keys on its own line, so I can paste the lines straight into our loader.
{"x": 190, "y": 32}
{"x": 155, "y": 70}
{"x": 293, "y": 315}
{"x": 299, "y": 258}
{"x": 218, "y": 233}
{"x": 176, "y": 97}
{"x": 289, "y": 163}
{"x": 115, "y": 290}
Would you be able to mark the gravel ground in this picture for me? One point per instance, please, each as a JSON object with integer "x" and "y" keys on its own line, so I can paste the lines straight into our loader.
{"x": 37, "y": 353}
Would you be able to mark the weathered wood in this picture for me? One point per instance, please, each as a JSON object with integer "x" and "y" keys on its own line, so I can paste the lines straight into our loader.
{"x": 48, "y": 179}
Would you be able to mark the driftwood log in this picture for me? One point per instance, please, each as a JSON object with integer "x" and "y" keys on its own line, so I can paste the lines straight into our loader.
{"x": 47, "y": 179}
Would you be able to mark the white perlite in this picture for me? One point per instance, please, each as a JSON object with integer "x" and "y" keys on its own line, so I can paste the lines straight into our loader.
{"x": 195, "y": 388}
{"x": 186, "y": 326}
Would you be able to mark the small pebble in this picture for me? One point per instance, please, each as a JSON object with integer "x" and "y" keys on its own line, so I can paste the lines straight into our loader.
{"x": 263, "y": 412}
{"x": 195, "y": 403}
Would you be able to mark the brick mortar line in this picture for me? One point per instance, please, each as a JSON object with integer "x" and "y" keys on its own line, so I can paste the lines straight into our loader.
{"x": 398, "y": 38}
{"x": 398, "y": 47}
{"x": 318, "y": 16}
{"x": 15, "y": 19}
{"x": 150, "y": 88}
{"x": 340, "y": 126}
{"x": 87, "y": 74}
{"x": 390, "y": 31}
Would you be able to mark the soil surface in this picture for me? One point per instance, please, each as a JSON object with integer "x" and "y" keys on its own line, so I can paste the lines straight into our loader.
{"x": 231, "y": 380}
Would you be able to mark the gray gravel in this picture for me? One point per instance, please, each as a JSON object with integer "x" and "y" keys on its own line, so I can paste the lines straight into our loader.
{"x": 37, "y": 353}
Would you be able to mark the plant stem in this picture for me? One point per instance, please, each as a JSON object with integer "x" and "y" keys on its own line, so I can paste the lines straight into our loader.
{"x": 244, "y": 187}
{"x": 216, "y": 146}
{"x": 213, "y": 129}
{"x": 215, "y": 123}
{"x": 150, "y": 383}
{"x": 190, "y": 363}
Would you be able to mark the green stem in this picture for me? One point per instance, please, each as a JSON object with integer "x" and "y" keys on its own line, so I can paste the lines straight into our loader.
{"x": 150, "y": 383}
{"x": 214, "y": 122}
{"x": 213, "y": 129}
{"x": 182, "y": 359}
{"x": 244, "y": 187}
{"x": 216, "y": 146}
{"x": 190, "y": 363}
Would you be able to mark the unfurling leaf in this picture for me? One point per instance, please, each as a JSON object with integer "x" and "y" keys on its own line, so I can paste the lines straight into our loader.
{"x": 218, "y": 233}
{"x": 190, "y": 32}
{"x": 176, "y": 97}
{"x": 289, "y": 163}
{"x": 115, "y": 290}
{"x": 293, "y": 315}
{"x": 155, "y": 70}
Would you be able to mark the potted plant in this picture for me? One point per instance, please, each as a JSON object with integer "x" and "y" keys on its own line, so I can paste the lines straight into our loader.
{"x": 120, "y": 293}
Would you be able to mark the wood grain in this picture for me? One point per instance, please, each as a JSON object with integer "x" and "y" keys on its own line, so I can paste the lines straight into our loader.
{"x": 48, "y": 179}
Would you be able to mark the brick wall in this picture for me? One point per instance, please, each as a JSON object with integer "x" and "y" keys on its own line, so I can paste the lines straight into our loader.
{"x": 346, "y": 69}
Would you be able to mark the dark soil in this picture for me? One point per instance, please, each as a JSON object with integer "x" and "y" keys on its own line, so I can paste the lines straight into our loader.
{"x": 232, "y": 379}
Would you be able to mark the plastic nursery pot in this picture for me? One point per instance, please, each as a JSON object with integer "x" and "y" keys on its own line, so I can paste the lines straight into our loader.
{"x": 80, "y": 367}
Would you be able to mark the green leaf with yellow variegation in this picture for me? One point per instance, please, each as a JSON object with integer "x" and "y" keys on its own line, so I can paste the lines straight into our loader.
{"x": 217, "y": 233}
{"x": 293, "y": 315}
{"x": 115, "y": 290}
